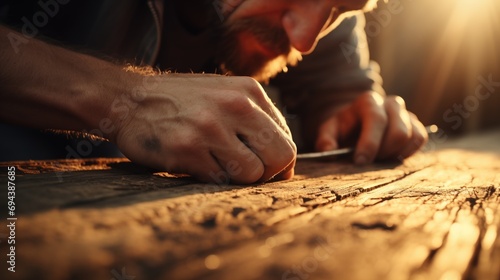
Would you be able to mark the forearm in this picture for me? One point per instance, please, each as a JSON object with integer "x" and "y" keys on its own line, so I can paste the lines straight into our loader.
{"x": 186, "y": 123}
{"x": 46, "y": 86}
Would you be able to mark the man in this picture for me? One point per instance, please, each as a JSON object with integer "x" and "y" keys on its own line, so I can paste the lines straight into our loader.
{"x": 216, "y": 128}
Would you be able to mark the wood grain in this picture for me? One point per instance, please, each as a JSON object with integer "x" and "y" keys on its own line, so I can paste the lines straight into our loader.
{"x": 434, "y": 216}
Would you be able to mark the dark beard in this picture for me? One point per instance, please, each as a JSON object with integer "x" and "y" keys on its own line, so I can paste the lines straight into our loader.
{"x": 234, "y": 61}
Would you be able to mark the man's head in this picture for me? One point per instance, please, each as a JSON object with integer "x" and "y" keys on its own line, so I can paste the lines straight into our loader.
{"x": 260, "y": 37}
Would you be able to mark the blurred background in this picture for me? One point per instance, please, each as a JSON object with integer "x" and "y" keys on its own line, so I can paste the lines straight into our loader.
{"x": 443, "y": 57}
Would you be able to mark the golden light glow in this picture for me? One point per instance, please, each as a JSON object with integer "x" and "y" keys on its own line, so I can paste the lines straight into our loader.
{"x": 470, "y": 5}
{"x": 466, "y": 45}
{"x": 470, "y": 22}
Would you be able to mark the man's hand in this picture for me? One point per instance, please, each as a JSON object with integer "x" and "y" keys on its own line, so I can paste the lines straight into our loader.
{"x": 379, "y": 128}
{"x": 219, "y": 129}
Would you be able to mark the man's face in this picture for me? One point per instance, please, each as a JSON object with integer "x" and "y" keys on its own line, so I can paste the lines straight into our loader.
{"x": 260, "y": 37}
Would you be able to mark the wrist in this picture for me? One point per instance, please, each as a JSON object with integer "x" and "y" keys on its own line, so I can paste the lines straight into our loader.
{"x": 112, "y": 95}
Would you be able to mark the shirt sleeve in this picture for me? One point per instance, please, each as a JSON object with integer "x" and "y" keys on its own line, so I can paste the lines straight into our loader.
{"x": 334, "y": 73}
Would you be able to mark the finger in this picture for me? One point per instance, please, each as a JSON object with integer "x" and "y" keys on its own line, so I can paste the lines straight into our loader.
{"x": 373, "y": 124}
{"x": 274, "y": 149}
{"x": 239, "y": 162}
{"x": 418, "y": 138}
{"x": 210, "y": 171}
{"x": 327, "y": 136}
{"x": 399, "y": 128}
{"x": 182, "y": 159}
{"x": 273, "y": 146}
{"x": 260, "y": 97}
{"x": 265, "y": 131}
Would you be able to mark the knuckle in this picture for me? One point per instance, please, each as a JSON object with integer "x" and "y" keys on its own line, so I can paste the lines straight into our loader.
{"x": 396, "y": 100}
{"x": 372, "y": 99}
{"x": 248, "y": 82}
{"x": 238, "y": 104}
{"x": 373, "y": 108}
{"x": 253, "y": 89}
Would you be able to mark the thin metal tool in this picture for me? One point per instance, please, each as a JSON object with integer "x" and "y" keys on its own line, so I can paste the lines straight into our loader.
{"x": 344, "y": 151}
{"x": 337, "y": 152}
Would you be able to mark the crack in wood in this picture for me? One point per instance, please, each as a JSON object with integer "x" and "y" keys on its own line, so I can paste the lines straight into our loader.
{"x": 375, "y": 225}
{"x": 428, "y": 262}
{"x": 479, "y": 212}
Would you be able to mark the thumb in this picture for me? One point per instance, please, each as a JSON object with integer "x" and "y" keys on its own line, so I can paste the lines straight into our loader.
{"x": 327, "y": 137}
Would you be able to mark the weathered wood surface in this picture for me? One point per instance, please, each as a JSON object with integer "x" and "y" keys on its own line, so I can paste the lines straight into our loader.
{"x": 435, "y": 216}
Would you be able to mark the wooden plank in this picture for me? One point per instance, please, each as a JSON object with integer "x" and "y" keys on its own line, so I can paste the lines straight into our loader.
{"x": 68, "y": 183}
{"x": 434, "y": 216}
{"x": 391, "y": 233}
